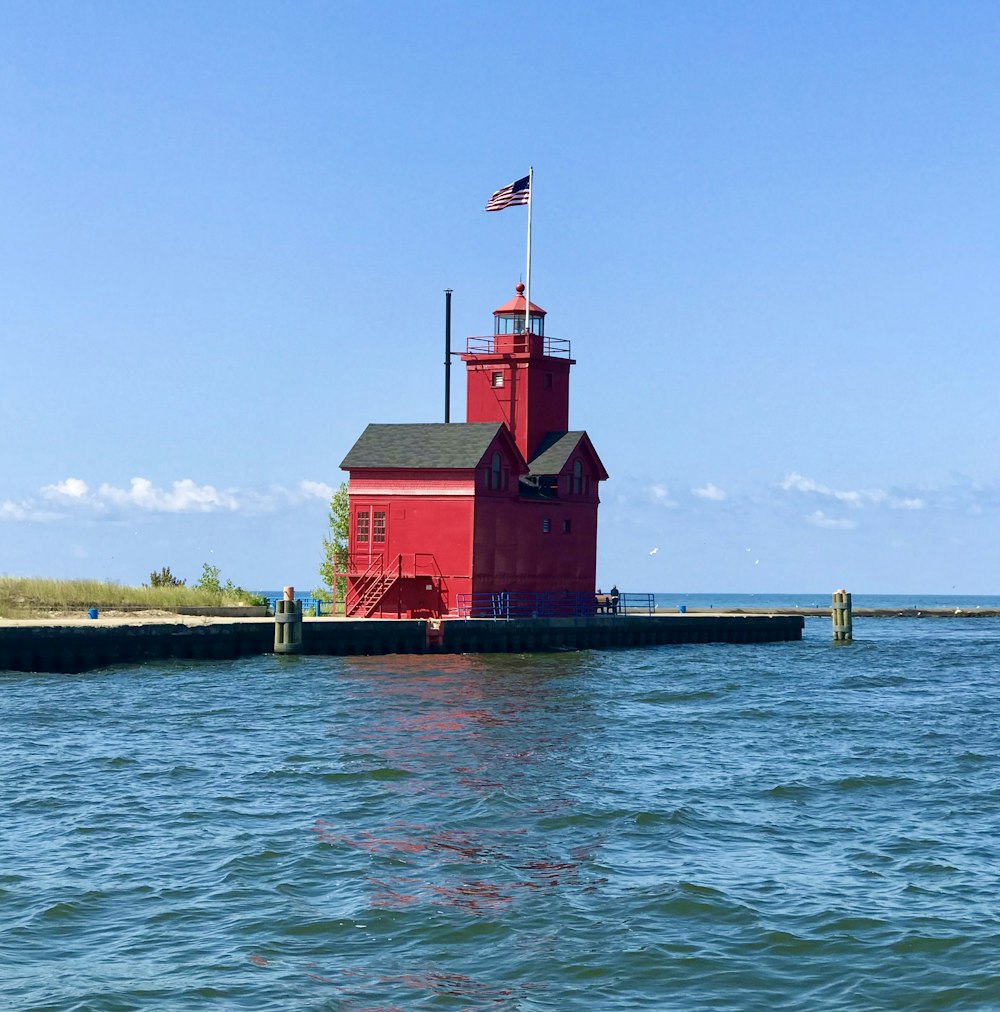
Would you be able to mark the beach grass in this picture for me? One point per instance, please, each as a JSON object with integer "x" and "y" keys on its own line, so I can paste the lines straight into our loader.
{"x": 24, "y": 597}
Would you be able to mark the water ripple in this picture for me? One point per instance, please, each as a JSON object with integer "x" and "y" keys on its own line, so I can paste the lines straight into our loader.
{"x": 790, "y": 826}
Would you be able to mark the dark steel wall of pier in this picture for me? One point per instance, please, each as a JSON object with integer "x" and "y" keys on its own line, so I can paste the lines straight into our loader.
{"x": 74, "y": 648}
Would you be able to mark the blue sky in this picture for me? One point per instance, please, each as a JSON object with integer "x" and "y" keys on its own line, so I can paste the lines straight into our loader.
{"x": 771, "y": 231}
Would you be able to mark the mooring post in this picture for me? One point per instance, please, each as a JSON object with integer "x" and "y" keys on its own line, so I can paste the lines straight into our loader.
{"x": 843, "y": 620}
{"x": 288, "y": 624}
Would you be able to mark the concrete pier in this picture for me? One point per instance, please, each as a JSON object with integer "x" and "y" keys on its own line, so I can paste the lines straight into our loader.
{"x": 71, "y": 647}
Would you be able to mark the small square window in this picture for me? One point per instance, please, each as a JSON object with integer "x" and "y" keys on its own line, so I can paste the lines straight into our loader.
{"x": 496, "y": 379}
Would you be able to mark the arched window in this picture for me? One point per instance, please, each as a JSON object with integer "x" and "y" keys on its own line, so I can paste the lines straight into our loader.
{"x": 577, "y": 477}
{"x": 495, "y": 472}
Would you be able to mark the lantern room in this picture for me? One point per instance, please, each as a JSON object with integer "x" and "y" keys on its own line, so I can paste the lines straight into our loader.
{"x": 519, "y": 378}
{"x": 510, "y": 316}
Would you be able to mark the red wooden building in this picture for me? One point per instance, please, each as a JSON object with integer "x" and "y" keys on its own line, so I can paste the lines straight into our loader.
{"x": 496, "y": 515}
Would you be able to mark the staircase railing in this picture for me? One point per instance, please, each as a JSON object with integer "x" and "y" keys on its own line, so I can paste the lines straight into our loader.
{"x": 366, "y": 591}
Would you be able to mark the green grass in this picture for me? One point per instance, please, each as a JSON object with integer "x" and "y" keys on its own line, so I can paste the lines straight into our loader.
{"x": 29, "y": 598}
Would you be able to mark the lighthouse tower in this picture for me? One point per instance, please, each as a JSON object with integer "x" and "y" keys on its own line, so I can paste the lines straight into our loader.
{"x": 519, "y": 377}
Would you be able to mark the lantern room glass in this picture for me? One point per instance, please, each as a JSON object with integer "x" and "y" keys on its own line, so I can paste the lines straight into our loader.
{"x": 514, "y": 324}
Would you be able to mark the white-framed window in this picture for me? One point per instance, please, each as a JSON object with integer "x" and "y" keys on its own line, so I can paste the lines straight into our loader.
{"x": 496, "y": 379}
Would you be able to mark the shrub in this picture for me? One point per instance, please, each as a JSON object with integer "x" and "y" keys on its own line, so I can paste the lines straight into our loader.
{"x": 164, "y": 578}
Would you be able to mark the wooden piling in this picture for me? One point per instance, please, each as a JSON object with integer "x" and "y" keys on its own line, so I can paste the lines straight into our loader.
{"x": 841, "y": 614}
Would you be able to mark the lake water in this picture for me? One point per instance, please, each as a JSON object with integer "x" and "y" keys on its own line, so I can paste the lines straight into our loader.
{"x": 784, "y": 826}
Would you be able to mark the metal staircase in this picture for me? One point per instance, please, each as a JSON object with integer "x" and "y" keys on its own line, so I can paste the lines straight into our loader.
{"x": 365, "y": 592}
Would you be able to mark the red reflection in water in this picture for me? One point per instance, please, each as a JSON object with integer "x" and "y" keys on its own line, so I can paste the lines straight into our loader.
{"x": 476, "y": 896}
{"x": 389, "y": 897}
{"x": 258, "y": 960}
{"x": 430, "y": 982}
{"x": 547, "y": 873}
{"x": 427, "y": 726}
{"x": 441, "y": 848}
{"x": 416, "y": 839}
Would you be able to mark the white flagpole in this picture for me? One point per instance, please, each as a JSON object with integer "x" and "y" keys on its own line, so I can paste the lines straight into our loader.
{"x": 527, "y": 286}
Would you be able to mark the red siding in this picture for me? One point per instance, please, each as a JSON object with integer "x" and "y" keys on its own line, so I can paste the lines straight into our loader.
{"x": 525, "y": 403}
{"x": 430, "y": 532}
{"x": 514, "y": 552}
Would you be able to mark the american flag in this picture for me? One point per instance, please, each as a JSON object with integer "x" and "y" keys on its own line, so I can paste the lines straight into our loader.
{"x": 510, "y": 196}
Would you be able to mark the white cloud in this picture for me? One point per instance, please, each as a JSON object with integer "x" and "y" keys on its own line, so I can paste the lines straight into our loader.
{"x": 907, "y": 504}
{"x": 660, "y": 495}
{"x": 795, "y": 482}
{"x": 820, "y": 519}
{"x": 709, "y": 491}
{"x": 73, "y": 496}
{"x": 71, "y": 488}
{"x": 317, "y": 489}
{"x": 184, "y": 496}
{"x": 12, "y": 510}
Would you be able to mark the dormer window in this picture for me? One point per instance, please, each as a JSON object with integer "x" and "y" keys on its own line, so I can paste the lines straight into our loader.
{"x": 577, "y": 485}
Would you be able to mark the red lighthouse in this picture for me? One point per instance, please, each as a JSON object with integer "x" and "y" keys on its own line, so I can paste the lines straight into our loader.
{"x": 497, "y": 515}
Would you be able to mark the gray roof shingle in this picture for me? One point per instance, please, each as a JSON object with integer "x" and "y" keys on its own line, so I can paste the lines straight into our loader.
{"x": 422, "y": 445}
{"x": 554, "y": 451}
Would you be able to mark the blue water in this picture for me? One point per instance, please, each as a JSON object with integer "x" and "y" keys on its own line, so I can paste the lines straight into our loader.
{"x": 786, "y": 826}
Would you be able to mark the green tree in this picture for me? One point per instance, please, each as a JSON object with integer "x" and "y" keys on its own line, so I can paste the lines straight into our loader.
{"x": 335, "y": 544}
{"x": 209, "y": 579}
{"x": 209, "y": 582}
{"x": 164, "y": 578}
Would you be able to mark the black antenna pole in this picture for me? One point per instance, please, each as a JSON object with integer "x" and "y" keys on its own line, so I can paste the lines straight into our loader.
{"x": 447, "y": 355}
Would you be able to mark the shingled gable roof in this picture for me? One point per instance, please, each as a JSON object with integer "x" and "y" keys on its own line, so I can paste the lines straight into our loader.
{"x": 557, "y": 448}
{"x": 439, "y": 445}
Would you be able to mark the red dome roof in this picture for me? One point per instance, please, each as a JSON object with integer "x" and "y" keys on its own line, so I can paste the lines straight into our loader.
{"x": 516, "y": 305}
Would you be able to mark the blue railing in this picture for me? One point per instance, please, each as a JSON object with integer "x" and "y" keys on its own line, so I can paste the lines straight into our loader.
{"x": 637, "y": 604}
{"x": 310, "y": 604}
{"x": 515, "y": 604}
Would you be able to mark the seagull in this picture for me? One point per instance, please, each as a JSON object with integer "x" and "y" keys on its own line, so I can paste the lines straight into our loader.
{"x": 654, "y": 551}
